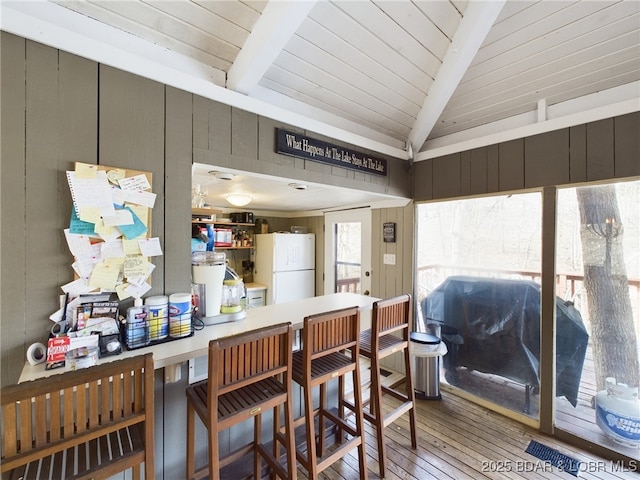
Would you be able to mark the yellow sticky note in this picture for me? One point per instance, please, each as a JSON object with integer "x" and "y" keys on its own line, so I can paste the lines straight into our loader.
{"x": 115, "y": 262}
{"x": 131, "y": 247}
{"x": 121, "y": 290}
{"x": 103, "y": 230}
{"x": 104, "y": 276}
{"x": 90, "y": 214}
{"x": 86, "y": 170}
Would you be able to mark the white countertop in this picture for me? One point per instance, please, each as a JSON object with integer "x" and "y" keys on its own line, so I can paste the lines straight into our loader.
{"x": 178, "y": 351}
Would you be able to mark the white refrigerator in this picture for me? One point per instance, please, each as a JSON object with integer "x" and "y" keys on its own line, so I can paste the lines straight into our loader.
{"x": 285, "y": 263}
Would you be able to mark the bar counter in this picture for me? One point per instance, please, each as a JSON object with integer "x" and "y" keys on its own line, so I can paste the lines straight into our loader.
{"x": 182, "y": 350}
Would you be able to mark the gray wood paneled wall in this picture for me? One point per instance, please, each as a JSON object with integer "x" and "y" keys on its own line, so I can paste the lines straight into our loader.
{"x": 598, "y": 151}
{"x": 58, "y": 109}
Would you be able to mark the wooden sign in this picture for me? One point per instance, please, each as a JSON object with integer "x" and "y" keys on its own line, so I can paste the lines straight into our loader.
{"x": 389, "y": 232}
{"x": 296, "y": 145}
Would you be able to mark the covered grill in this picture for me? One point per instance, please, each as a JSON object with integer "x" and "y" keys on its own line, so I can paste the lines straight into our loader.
{"x": 493, "y": 326}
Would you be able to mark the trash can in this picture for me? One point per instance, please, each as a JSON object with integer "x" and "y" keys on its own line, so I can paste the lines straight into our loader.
{"x": 426, "y": 350}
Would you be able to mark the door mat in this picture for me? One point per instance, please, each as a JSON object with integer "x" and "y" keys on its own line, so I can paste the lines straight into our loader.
{"x": 554, "y": 457}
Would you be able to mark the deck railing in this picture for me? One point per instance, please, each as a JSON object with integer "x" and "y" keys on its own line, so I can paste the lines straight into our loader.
{"x": 351, "y": 285}
{"x": 569, "y": 286}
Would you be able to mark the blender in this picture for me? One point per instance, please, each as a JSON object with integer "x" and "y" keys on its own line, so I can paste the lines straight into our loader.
{"x": 208, "y": 271}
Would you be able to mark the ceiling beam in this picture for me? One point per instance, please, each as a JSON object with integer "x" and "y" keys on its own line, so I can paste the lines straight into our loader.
{"x": 277, "y": 24}
{"x": 476, "y": 23}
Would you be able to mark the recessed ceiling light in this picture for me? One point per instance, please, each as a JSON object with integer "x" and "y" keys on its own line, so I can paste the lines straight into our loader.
{"x": 299, "y": 186}
{"x": 222, "y": 175}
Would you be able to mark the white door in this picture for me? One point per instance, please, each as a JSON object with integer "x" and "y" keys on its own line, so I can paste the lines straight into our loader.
{"x": 348, "y": 251}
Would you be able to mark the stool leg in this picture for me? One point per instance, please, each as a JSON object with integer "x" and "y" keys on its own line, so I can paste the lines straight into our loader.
{"x": 321, "y": 423}
{"x": 311, "y": 465}
{"x": 412, "y": 398}
{"x": 341, "y": 414}
{"x": 376, "y": 410}
{"x": 276, "y": 432}
{"x": 190, "y": 441}
{"x": 214, "y": 448}
{"x": 257, "y": 437}
{"x": 357, "y": 392}
{"x": 292, "y": 466}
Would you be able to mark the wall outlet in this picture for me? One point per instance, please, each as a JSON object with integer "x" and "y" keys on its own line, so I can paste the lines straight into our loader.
{"x": 389, "y": 259}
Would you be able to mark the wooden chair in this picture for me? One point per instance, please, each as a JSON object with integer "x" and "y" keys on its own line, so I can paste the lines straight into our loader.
{"x": 87, "y": 424}
{"x": 325, "y": 338}
{"x": 249, "y": 373}
{"x": 389, "y": 334}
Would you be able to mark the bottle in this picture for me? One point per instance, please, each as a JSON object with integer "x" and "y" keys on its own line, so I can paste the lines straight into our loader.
{"x": 137, "y": 329}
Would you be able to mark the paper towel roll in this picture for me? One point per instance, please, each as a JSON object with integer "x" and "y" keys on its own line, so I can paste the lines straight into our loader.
{"x": 36, "y": 353}
{"x": 212, "y": 277}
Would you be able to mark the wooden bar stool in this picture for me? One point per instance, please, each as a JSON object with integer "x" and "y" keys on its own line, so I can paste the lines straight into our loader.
{"x": 248, "y": 374}
{"x": 325, "y": 339}
{"x": 389, "y": 334}
{"x": 91, "y": 423}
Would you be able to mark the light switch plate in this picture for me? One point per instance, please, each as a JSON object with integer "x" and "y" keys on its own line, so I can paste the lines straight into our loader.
{"x": 389, "y": 259}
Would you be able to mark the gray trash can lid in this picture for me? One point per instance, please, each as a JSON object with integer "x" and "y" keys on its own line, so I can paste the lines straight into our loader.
{"x": 424, "y": 338}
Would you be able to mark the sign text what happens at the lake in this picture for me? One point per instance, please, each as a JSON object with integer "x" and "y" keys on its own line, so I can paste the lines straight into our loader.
{"x": 296, "y": 145}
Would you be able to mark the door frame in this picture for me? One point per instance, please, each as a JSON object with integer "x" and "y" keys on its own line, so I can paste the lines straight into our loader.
{"x": 361, "y": 215}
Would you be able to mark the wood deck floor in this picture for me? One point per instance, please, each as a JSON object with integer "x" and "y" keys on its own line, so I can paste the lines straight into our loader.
{"x": 460, "y": 440}
{"x": 578, "y": 420}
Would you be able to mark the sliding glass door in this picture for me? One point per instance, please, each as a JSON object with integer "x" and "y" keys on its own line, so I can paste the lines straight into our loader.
{"x": 598, "y": 273}
{"x": 478, "y": 286}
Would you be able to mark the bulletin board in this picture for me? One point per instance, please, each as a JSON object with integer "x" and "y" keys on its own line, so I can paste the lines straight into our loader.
{"x": 109, "y": 232}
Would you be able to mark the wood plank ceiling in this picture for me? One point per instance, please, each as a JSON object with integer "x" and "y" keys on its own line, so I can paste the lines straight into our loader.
{"x": 412, "y": 79}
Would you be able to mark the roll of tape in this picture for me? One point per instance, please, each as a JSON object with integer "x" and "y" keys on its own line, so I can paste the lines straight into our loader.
{"x": 58, "y": 328}
{"x": 37, "y": 353}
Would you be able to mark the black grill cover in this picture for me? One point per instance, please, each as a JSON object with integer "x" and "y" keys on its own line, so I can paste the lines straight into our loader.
{"x": 493, "y": 326}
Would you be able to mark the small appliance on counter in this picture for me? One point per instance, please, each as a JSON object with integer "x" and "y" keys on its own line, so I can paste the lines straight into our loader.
{"x": 209, "y": 272}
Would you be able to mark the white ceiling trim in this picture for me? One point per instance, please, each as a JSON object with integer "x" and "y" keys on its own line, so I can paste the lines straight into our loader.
{"x": 277, "y": 24}
{"x": 590, "y": 108}
{"x": 61, "y": 28}
{"x": 476, "y": 23}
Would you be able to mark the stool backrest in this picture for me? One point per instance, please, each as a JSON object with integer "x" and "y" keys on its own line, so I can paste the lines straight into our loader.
{"x": 391, "y": 315}
{"x": 48, "y": 415}
{"x": 330, "y": 332}
{"x": 246, "y": 358}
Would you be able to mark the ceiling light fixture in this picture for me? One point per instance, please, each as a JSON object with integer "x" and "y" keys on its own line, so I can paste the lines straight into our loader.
{"x": 299, "y": 186}
{"x": 238, "y": 199}
{"x": 222, "y": 175}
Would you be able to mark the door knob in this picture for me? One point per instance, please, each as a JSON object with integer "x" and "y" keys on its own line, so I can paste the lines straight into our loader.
{"x": 367, "y": 274}
{"x": 366, "y": 292}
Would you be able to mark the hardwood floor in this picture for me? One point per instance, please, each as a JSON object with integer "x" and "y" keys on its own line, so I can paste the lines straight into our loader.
{"x": 460, "y": 440}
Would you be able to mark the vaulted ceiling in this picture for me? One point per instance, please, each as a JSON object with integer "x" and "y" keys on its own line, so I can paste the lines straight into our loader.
{"x": 407, "y": 78}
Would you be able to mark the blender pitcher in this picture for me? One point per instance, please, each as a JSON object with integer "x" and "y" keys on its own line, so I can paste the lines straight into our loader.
{"x": 232, "y": 294}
